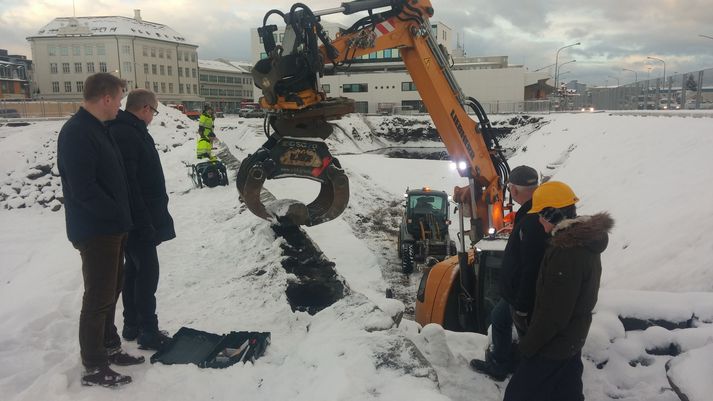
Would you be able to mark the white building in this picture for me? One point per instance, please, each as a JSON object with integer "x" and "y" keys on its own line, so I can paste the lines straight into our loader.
{"x": 146, "y": 54}
{"x": 225, "y": 84}
{"x": 379, "y": 81}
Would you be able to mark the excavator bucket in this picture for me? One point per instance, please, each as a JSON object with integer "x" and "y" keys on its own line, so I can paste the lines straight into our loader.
{"x": 300, "y": 158}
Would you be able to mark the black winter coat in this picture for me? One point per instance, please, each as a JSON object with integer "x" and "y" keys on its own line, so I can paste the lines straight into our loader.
{"x": 567, "y": 288}
{"x": 147, "y": 184}
{"x": 521, "y": 260}
{"x": 96, "y": 199}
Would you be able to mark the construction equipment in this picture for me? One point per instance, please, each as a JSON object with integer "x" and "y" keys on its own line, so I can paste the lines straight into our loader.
{"x": 423, "y": 234}
{"x": 298, "y": 113}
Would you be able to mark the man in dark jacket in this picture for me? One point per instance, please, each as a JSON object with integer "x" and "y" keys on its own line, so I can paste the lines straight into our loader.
{"x": 566, "y": 293}
{"x": 97, "y": 212}
{"x": 152, "y": 222}
{"x": 521, "y": 262}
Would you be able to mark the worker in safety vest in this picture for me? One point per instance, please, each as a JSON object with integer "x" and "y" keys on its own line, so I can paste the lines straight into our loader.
{"x": 206, "y": 136}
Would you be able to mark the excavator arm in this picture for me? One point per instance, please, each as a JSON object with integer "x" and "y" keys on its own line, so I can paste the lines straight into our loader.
{"x": 297, "y": 108}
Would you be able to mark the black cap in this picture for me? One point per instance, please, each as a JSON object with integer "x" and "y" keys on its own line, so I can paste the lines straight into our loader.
{"x": 524, "y": 176}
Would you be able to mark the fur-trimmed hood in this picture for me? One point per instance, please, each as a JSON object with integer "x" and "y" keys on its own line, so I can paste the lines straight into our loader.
{"x": 591, "y": 232}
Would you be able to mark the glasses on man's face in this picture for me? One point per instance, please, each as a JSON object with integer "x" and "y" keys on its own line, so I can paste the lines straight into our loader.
{"x": 155, "y": 112}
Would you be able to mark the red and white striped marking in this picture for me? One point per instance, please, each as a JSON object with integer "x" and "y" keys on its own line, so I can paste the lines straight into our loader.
{"x": 383, "y": 28}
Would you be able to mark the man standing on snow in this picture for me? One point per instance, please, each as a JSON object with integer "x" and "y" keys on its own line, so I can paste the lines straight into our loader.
{"x": 96, "y": 204}
{"x": 149, "y": 210}
{"x": 567, "y": 290}
{"x": 521, "y": 263}
{"x": 206, "y": 136}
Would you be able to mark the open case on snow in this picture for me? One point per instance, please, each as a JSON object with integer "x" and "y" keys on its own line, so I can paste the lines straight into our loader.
{"x": 208, "y": 350}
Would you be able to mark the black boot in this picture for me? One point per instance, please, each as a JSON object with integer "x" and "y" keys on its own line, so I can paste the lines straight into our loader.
{"x": 119, "y": 357}
{"x": 104, "y": 376}
{"x": 153, "y": 339}
{"x": 490, "y": 367}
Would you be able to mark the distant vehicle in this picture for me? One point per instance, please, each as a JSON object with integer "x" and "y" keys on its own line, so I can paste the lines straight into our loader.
{"x": 587, "y": 108}
{"x": 251, "y": 113}
{"x": 9, "y": 113}
{"x": 192, "y": 114}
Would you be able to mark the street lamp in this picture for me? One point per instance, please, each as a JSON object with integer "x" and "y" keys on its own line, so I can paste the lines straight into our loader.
{"x": 636, "y": 75}
{"x": 540, "y": 69}
{"x": 617, "y": 80}
{"x": 664, "y": 75}
{"x": 706, "y": 36}
{"x": 557, "y": 56}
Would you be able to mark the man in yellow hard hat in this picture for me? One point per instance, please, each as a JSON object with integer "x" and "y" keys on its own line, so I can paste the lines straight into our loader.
{"x": 566, "y": 293}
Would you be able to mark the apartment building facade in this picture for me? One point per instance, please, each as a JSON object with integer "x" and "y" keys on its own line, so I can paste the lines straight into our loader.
{"x": 15, "y": 76}
{"x": 146, "y": 54}
{"x": 225, "y": 84}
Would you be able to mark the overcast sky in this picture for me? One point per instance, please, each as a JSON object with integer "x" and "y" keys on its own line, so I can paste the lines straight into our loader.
{"x": 614, "y": 34}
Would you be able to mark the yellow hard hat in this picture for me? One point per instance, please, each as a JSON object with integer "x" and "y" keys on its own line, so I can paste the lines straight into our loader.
{"x": 552, "y": 194}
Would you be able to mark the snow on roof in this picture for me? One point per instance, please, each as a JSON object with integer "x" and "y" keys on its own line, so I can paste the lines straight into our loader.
{"x": 225, "y": 66}
{"x": 109, "y": 26}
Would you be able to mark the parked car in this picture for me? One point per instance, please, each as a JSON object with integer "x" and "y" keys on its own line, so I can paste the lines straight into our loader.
{"x": 9, "y": 113}
{"x": 251, "y": 113}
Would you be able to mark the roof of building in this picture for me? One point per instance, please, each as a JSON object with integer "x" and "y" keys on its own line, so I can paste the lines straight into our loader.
{"x": 224, "y": 66}
{"x": 109, "y": 26}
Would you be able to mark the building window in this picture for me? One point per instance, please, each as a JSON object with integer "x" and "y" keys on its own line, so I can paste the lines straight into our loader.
{"x": 170, "y": 87}
{"x": 78, "y": 68}
{"x": 193, "y": 57}
{"x": 88, "y": 50}
{"x": 67, "y": 86}
{"x": 168, "y": 54}
{"x": 185, "y": 56}
{"x": 373, "y": 55}
{"x": 76, "y": 51}
{"x": 228, "y": 80}
{"x": 163, "y": 69}
{"x": 180, "y": 71}
{"x": 64, "y": 51}
{"x": 361, "y": 107}
{"x": 80, "y": 86}
{"x": 160, "y": 53}
{"x": 53, "y": 68}
{"x": 153, "y": 69}
{"x": 163, "y": 87}
{"x": 55, "y": 86}
{"x": 147, "y": 85}
{"x": 180, "y": 88}
{"x": 221, "y": 79}
{"x": 325, "y": 88}
{"x": 90, "y": 67}
{"x": 101, "y": 50}
{"x": 127, "y": 66}
{"x": 169, "y": 70}
{"x": 145, "y": 52}
{"x": 387, "y": 53}
{"x": 179, "y": 54}
{"x": 408, "y": 86}
{"x": 355, "y": 88}
{"x": 102, "y": 67}
{"x": 155, "y": 87}
{"x": 146, "y": 69}
{"x": 213, "y": 92}
{"x": 193, "y": 72}
{"x": 126, "y": 49}
{"x": 52, "y": 51}
{"x": 188, "y": 88}
{"x": 153, "y": 52}
{"x": 65, "y": 68}
{"x": 195, "y": 88}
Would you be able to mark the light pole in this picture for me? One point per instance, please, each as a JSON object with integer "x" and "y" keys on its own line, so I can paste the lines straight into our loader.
{"x": 557, "y": 57}
{"x": 636, "y": 84}
{"x": 636, "y": 75}
{"x": 540, "y": 69}
{"x": 664, "y": 75}
{"x": 706, "y": 36}
{"x": 617, "y": 80}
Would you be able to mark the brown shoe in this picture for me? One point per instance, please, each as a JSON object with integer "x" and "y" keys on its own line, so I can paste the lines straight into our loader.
{"x": 119, "y": 357}
{"x": 105, "y": 377}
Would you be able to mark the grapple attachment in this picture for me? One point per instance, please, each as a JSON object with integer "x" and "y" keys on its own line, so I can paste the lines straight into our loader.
{"x": 300, "y": 158}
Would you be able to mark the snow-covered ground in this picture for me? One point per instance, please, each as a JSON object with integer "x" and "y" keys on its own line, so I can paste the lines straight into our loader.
{"x": 223, "y": 272}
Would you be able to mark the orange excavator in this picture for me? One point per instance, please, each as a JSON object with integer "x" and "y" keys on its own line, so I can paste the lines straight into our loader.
{"x": 453, "y": 293}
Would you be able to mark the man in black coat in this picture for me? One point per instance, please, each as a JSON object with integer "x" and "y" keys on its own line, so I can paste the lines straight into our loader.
{"x": 521, "y": 261}
{"x": 97, "y": 212}
{"x": 152, "y": 222}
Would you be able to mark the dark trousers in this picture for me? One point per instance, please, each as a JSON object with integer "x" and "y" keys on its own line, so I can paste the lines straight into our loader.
{"x": 501, "y": 322}
{"x": 102, "y": 266}
{"x": 140, "y": 284}
{"x": 542, "y": 379}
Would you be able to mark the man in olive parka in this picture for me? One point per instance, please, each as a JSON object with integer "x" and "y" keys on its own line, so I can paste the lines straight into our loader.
{"x": 566, "y": 293}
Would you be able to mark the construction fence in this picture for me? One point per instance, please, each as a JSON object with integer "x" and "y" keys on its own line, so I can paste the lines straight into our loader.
{"x": 37, "y": 108}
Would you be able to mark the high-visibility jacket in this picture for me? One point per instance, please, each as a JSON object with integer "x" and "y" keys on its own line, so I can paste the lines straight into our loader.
{"x": 205, "y": 133}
